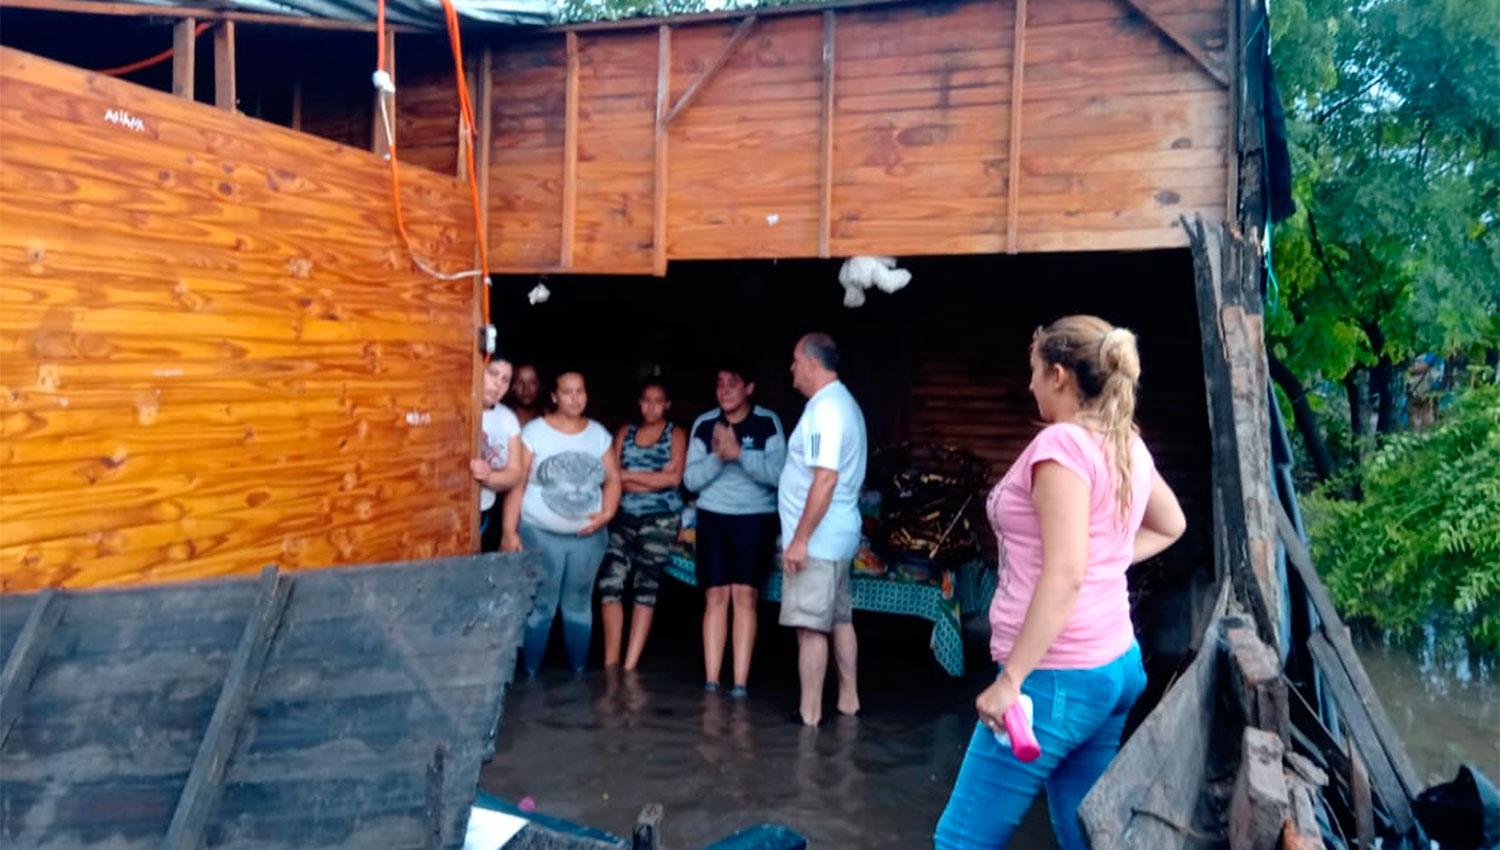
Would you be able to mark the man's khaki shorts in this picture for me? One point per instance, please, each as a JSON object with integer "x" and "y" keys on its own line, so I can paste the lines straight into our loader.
{"x": 817, "y": 597}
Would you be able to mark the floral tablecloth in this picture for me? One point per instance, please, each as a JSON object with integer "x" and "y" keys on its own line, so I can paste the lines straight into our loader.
{"x": 943, "y": 599}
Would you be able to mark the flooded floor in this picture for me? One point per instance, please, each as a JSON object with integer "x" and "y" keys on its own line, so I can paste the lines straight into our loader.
{"x": 597, "y": 749}
{"x": 1444, "y": 703}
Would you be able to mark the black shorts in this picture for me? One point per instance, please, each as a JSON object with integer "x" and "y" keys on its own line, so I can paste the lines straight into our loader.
{"x": 735, "y": 549}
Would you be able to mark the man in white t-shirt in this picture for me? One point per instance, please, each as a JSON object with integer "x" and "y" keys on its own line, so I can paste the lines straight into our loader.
{"x": 818, "y": 501}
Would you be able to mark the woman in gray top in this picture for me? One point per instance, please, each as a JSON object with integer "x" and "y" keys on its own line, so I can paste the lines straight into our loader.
{"x": 570, "y": 494}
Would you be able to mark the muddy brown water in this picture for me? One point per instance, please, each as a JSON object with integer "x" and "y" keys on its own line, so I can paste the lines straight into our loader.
{"x": 597, "y": 749}
{"x": 1443, "y": 700}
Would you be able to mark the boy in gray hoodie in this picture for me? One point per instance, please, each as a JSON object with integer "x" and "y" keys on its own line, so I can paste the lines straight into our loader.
{"x": 735, "y": 455}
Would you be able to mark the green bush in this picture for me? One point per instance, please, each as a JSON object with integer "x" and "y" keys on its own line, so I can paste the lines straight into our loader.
{"x": 1424, "y": 543}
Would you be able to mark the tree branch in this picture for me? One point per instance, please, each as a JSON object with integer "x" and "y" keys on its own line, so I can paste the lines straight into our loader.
{"x": 1332, "y": 110}
{"x": 1324, "y": 263}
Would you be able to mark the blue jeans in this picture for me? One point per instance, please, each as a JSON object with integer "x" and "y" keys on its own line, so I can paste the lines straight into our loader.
{"x": 569, "y": 564}
{"x": 1080, "y": 715}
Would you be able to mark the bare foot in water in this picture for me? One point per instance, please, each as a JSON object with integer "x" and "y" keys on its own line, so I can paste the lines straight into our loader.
{"x": 848, "y": 705}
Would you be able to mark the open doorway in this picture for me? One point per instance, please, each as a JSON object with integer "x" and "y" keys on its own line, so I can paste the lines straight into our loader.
{"x": 941, "y": 362}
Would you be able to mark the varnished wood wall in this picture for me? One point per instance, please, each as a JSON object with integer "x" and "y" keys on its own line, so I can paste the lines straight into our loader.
{"x": 214, "y": 353}
{"x": 1120, "y": 132}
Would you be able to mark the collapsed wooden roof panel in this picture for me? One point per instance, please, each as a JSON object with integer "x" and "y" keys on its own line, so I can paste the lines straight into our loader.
{"x": 146, "y": 713}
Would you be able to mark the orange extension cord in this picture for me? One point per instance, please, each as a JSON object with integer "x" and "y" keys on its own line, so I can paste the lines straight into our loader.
{"x": 147, "y": 63}
{"x": 466, "y": 115}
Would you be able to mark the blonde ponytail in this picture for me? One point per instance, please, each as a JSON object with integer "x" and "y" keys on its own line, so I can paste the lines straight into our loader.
{"x": 1107, "y": 365}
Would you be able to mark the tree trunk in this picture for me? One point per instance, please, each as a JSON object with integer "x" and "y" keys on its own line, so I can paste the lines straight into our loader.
{"x": 1385, "y": 395}
{"x": 1358, "y": 420}
{"x": 1380, "y": 381}
{"x": 1453, "y": 367}
{"x": 1302, "y": 414}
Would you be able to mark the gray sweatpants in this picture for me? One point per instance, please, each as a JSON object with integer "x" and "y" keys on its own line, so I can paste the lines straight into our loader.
{"x": 569, "y": 565}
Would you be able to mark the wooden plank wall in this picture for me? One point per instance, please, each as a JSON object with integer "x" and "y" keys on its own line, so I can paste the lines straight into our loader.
{"x": 526, "y": 155}
{"x": 214, "y": 353}
{"x": 1121, "y": 132}
{"x": 616, "y": 143}
{"x": 922, "y": 128}
{"x": 426, "y": 104}
{"x": 742, "y": 167}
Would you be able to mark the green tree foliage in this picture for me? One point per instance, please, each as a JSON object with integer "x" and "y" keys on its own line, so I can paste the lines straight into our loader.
{"x": 1425, "y": 540}
{"x": 1394, "y": 119}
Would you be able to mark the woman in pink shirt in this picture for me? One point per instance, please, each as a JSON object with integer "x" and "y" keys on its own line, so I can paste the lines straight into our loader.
{"x": 1080, "y": 505}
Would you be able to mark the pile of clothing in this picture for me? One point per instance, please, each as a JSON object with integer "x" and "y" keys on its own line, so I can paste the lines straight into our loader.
{"x": 931, "y": 505}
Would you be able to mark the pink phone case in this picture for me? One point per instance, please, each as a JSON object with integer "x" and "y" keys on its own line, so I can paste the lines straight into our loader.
{"x": 1018, "y": 729}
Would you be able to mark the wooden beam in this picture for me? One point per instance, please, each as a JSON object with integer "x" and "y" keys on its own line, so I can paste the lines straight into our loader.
{"x": 479, "y": 87}
{"x": 184, "y": 56}
{"x": 825, "y": 157}
{"x": 486, "y": 120}
{"x": 1213, "y": 65}
{"x": 380, "y": 140}
{"x": 465, "y": 138}
{"x": 570, "y": 155}
{"x": 1232, "y": 154}
{"x": 1212, "y": 261}
{"x": 201, "y": 790}
{"x": 1156, "y": 779}
{"x": 1362, "y": 803}
{"x": 659, "y": 181}
{"x": 725, "y": 53}
{"x": 297, "y": 103}
{"x": 26, "y": 657}
{"x": 224, "y": 66}
{"x": 1313, "y": 737}
{"x": 725, "y": 15}
{"x": 133, "y": 10}
{"x": 1362, "y": 730}
{"x": 1013, "y": 181}
{"x": 1300, "y": 564}
{"x": 1248, "y": 138}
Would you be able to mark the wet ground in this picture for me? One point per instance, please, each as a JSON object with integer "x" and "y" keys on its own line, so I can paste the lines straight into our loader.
{"x": 596, "y": 749}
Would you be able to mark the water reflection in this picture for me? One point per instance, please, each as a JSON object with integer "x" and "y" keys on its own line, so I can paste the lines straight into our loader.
{"x": 1443, "y": 699}
{"x": 596, "y": 749}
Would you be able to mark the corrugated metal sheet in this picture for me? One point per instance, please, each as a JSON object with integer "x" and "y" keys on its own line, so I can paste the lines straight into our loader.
{"x": 415, "y": 13}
